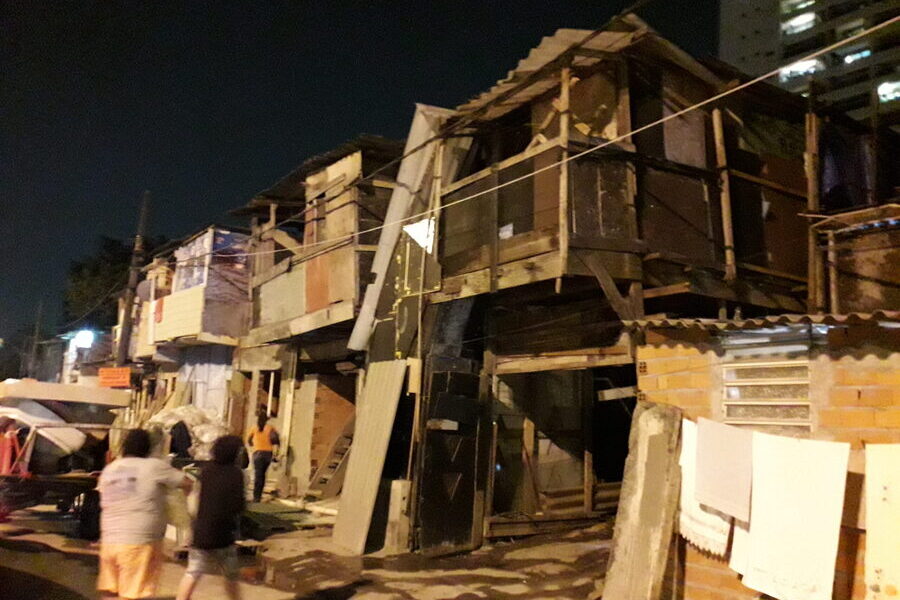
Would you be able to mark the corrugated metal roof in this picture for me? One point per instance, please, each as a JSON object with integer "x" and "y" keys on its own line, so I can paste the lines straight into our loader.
{"x": 892, "y": 316}
{"x": 549, "y": 49}
{"x": 870, "y": 217}
{"x": 637, "y": 35}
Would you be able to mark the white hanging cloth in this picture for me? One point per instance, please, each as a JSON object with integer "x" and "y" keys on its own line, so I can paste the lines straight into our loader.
{"x": 882, "y": 521}
{"x": 797, "y": 499}
{"x": 705, "y": 528}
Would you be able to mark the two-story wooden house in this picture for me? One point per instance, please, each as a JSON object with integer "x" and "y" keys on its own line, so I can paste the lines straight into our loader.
{"x": 314, "y": 235}
{"x": 581, "y": 190}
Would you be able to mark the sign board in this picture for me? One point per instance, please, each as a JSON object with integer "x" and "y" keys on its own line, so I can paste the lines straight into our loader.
{"x": 115, "y": 377}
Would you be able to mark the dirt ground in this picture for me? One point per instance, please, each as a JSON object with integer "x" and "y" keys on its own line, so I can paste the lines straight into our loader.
{"x": 557, "y": 566}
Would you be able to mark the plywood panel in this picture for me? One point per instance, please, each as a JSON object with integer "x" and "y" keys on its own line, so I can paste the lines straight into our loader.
{"x": 317, "y": 296}
{"x": 341, "y": 274}
{"x": 376, "y": 409}
{"x": 302, "y": 429}
{"x": 179, "y": 314}
{"x": 283, "y": 297}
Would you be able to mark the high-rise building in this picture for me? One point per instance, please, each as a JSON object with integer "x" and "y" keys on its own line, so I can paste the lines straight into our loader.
{"x": 759, "y": 35}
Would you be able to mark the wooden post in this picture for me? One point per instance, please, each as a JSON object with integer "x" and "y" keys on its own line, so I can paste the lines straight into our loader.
{"x": 491, "y": 475}
{"x": 565, "y": 77}
{"x": 529, "y": 453}
{"x": 587, "y": 428}
{"x": 815, "y": 268}
{"x": 834, "y": 296}
{"x": 724, "y": 195}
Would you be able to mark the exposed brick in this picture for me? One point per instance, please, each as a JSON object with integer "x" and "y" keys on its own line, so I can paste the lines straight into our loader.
{"x": 663, "y": 366}
{"x": 850, "y": 436}
{"x": 647, "y": 383}
{"x": 889, "y": 417}
{"x": 844, "y": 396}
{"x": 680, "y": 381}
{"x": 888, "y": 377}
{"x": 879, "y": 396}
{"x": 696, "y": 412}
{"x": 880, "y": 436}
{"x": 700, "y": 381}
{"x": 847, "y": 417}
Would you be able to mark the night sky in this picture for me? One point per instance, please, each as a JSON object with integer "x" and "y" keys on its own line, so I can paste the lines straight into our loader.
{"x": 206, "y": 103}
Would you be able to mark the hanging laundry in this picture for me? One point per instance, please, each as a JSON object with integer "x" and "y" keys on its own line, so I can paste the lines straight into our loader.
{"x": 882, "y": 521}
{"x": 705, "y": 528}
{"x": 724, "y": 455}
{"x": 740, "y": 547}
{"x": 798, "y": 499}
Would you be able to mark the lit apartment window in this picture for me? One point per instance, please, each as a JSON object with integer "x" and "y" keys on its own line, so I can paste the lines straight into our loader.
{"x": 852, "y": 57}
{"x": 790, "y": 6}
{"x": 801, "y": 22}
{"x": 889, "y": 91}
{"x": 801, "y": 69}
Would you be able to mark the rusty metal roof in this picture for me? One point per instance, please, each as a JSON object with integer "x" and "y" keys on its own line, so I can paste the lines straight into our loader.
{"x": 858, "y": 318}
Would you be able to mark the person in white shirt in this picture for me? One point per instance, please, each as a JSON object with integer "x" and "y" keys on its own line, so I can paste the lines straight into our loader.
{"x": 133, "y": 519}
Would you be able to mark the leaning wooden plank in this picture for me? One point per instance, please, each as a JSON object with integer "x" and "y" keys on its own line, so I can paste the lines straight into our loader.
{"x": 375, "y": 412}
{"x": 649, "y": 498}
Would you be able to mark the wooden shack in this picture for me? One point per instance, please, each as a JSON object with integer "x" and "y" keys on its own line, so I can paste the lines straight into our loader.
{"x": 314, "y": 235}
{"x": 559, "y": 207}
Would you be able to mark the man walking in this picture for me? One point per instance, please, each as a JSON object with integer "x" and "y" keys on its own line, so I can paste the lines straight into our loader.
{"x": 263, "y": 440}
{"x": 133, "y": 519}
{"x": 221, "y": 504}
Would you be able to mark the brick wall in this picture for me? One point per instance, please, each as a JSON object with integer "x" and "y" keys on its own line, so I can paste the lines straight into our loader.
{"x": 855, "y": 396}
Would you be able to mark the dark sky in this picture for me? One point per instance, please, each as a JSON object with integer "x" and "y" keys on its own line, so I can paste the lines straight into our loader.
{"x": 205, "y": 103}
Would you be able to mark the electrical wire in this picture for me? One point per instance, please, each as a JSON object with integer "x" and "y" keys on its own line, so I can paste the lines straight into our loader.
{"x": 446, "y": 132}
{"x": 97, "y": 305}
{"x": 594, "y": 148}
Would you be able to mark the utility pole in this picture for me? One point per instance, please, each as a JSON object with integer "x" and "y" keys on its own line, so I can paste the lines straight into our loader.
{"x": 134, "y": 271}
{"x": 32, "y": 357}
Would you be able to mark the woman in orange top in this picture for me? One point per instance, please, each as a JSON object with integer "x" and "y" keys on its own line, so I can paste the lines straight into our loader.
{"x": 263, "y": 441}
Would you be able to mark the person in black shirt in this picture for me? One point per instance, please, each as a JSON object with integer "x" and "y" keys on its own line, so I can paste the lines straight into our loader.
{"x": 220, "y": 507}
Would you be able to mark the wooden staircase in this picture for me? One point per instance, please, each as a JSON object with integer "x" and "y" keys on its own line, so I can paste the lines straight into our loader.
{"x": 328, "y": 479}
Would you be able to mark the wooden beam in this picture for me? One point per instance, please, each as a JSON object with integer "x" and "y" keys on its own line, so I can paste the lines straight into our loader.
{"x": 618, "y": 393}
{"x": 565, "y": 117}
{"x": 668, "y": 290}
{"x": 596, "y": 242}
{"x": 287, "y": 241}
{"x": 767, "y": 183}
{"x": 621, "y": 305}
{"x": 724, "y": 195}
{"x": 833, "y": 289}
{"x": 772, "y": 272}
{"x": 560, "y": 363}
{"x": 815, "y": 265}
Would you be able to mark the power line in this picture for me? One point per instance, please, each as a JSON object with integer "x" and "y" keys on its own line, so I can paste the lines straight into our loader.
{"x": 449, "y": 130}
{"x": 594, "y": 148}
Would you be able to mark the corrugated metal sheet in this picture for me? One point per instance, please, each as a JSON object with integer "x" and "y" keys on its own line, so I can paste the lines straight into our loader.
{"x": 872, "y": 217}
{"x": 549, "y": 49}
{"x": 375, "y": 412}
{"x": 641, "y": 37}
{"x": 890, "y": 316}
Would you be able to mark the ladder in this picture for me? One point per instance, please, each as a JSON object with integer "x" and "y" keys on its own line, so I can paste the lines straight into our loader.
{"x": 328, "y": 479}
